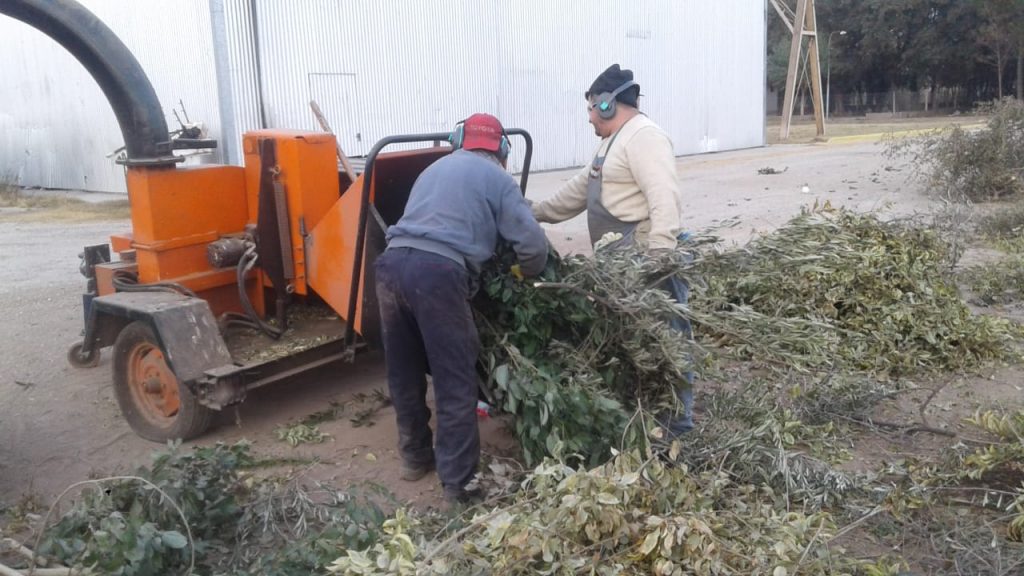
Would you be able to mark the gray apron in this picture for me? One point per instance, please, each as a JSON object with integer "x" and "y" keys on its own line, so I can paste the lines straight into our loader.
{"x": 599, "y": 220}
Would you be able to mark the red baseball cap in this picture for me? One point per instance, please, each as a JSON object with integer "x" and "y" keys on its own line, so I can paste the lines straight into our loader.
{"x": 482, "y": 132}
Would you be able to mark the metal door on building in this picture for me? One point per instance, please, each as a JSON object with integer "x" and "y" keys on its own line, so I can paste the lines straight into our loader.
{"x": 335, "y": 93}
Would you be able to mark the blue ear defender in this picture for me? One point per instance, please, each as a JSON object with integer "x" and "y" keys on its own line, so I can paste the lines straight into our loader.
{"x": 457, "y": 135}
{"x": 505, "y": 147}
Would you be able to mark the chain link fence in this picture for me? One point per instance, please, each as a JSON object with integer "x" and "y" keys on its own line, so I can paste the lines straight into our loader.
{"x": 891, "y": 104}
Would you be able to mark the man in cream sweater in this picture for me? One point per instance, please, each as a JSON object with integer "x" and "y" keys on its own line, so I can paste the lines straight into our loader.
{"x": 633, "y": 177}
{"x": 630, "y": 191}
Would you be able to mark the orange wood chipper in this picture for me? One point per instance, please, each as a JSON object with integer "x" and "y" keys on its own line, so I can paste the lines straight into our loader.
{"x": 232, "y": 277}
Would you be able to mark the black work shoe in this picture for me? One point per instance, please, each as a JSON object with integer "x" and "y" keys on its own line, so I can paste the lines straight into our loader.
{"x": 463, "y": 496}
{"x": 413, "y": 472}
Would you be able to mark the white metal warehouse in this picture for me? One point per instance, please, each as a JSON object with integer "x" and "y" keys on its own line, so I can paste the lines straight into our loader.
{"x": 379, "y": 68}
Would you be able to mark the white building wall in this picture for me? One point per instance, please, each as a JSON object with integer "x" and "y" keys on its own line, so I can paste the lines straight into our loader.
{"x": 380, "y": 68}
{"x": 388, "y": 67}
{"x": 56, "y": 126}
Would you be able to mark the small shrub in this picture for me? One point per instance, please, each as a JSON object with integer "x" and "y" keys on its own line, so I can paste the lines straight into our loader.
{"x": 997, "y": 283}
{"x": 976, "y": 165}
{"x": 1005, "y": 224}
{"x": 129, "y": 528}
{"x": 239, "y": 524}
{"x": 10, "y": 192}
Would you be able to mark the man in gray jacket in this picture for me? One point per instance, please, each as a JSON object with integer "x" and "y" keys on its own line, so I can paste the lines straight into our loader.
{"x": 457, "y": 210}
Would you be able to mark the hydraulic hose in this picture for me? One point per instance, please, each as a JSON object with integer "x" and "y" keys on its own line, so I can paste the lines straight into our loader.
{"x": 245, "y": 264}
{"x": 127, "y": 282}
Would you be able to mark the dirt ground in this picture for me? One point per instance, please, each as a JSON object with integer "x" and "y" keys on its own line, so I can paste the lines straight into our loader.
{"x": 59, "y": 425}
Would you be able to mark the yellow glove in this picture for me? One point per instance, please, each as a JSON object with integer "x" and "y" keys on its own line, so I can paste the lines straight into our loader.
{"x": 516, "y": 272}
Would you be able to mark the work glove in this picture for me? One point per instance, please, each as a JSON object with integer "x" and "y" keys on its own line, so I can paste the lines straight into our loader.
{"x": 516, "y": 272}
{"x": 677, "y": 257}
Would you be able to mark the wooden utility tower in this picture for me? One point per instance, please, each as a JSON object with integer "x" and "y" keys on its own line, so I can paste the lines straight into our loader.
{"x": 801, "y": 23}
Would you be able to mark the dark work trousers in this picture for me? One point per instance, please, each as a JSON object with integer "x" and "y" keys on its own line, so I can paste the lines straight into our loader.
{"x": 426, "y": 321}
{"x": 681, "y": 423}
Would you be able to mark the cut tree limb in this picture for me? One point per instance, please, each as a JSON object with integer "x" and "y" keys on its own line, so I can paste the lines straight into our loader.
{"x": 62, "y": 571}
{"x": 905, "y": 428}
{"x": 924, "y": 405}
{"x": 327, "y": 128}
{"x": 15, "y": 546}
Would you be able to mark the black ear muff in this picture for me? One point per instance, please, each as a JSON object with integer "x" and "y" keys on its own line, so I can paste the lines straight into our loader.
{"x": 606, "y": 103}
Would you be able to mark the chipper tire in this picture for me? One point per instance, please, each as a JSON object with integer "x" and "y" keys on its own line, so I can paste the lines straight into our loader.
{"x": 79, "y": 360}
{"x": 155, "y": 403}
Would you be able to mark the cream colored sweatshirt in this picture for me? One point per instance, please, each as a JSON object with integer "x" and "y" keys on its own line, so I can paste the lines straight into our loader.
{"x": 640, "y": 185}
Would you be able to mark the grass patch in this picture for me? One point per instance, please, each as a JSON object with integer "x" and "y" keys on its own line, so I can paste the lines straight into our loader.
{"x": 997, "y": 283}
{"x": 1004, "y": 224}
{"x": 36, "y": 207}
{"x": 17, "y": 516}
{"x": 9, "y": 190}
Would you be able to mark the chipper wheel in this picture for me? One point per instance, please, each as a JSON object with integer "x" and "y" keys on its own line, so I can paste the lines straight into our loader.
{"x": 80, "y": 360}
{"x": 156, "y": 405}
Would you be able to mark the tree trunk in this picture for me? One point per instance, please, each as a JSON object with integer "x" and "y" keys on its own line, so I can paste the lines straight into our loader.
{"x": 999, "y": 72}
{"x": 1020, "y": 71}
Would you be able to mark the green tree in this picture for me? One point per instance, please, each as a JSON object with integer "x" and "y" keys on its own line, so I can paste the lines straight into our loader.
{"x": 963, "y": 47}
{"x": 1000, "y": 36}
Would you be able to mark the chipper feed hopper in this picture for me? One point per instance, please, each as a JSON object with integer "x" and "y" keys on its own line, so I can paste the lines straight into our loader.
{"x": 232, "y": 277}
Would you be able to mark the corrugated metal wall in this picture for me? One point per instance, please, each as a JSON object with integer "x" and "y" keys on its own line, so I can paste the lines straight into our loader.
{"x": 56, "y": 126}
{"x": 700, "y": 66}
{"x": 380, "y": 68}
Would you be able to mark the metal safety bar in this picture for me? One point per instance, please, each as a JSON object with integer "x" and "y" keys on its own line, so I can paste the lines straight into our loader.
{"x": 364, "y": 202}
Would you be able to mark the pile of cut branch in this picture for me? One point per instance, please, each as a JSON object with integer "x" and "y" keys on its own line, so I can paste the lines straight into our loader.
{"x": 585, "y": 360}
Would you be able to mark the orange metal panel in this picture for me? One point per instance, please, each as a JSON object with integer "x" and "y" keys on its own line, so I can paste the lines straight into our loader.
{"x": 176, "y": 212}
{"x": 218, "y": 287}
{"x": 225, "y": 298}
{"x": 251, "y": 149}
{"x": 169, "y": 203}
{"x": 308, "y": 169}
{"x": 105, "y": 275}
{"x": 163, "y": 264}
{"x": 121, "y": 242}
{"x": 331, "y": 252}
{"x": 203, "y": 238}
{"x": 331, "y": 245}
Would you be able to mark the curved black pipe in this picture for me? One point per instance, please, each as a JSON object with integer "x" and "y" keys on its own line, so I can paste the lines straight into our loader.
{"x": 113, "y": 67}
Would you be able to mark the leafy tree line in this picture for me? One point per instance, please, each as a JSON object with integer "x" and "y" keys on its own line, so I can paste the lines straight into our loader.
{"x": 958, "y": 51}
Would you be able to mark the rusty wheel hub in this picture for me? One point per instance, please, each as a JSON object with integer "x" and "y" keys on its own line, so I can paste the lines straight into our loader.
{"x": 153, "y": 384}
